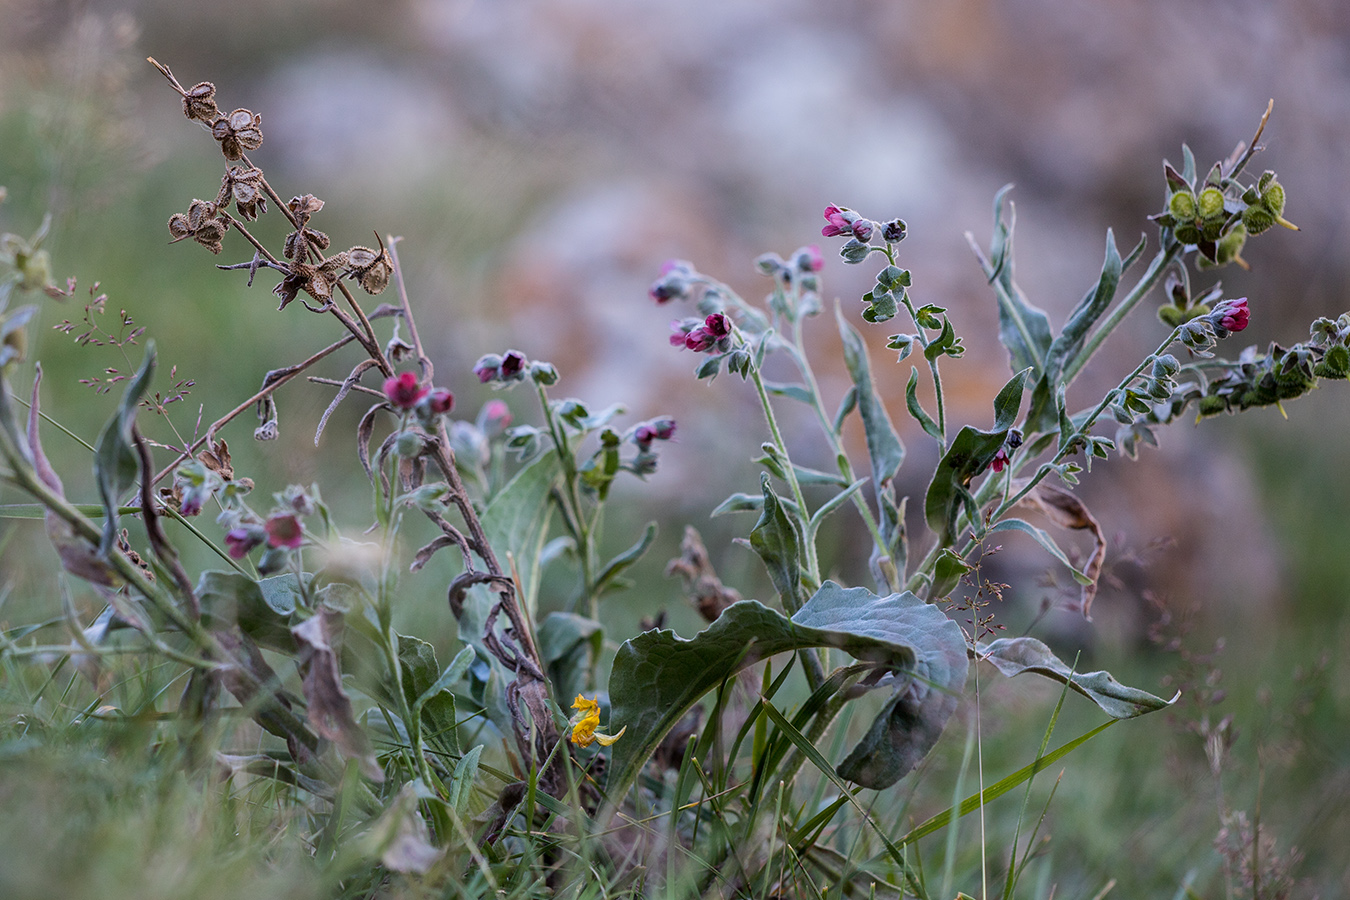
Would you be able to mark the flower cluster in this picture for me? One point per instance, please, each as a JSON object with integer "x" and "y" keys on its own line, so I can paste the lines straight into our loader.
{"x": 512, "y": 366}
{"x": 658, "y": 429}
{"x": 677, "y": 280}
{"x": 405, "y": 393}
{"x": 713, "y": 333}
{"x": 800, "y": 268}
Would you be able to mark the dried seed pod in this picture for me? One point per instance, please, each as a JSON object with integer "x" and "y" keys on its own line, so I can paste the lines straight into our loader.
{"x": 178, "y": 227}
{"x": 244, "y": 185}
{"x": 239, "y": 131}
{"x": 304, "y": 206}
{"x": 199, "y": 211}
{"x": 200, "y": 102}
{"x": 200, "y": 224}
{"x": 211, "y": 235}
{"x": 371, "y": 269}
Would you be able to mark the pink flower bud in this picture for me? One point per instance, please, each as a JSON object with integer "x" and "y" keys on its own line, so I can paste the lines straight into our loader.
{"x": 239, "y": 541}
{"x": 1231, "y": 315}
{"x": 440, "y": 401}
{"x": 283, "y": 530}
{"x": 403, "y": 391}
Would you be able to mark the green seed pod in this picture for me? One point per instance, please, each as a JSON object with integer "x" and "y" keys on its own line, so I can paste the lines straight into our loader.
{"x": 1182, "y": 205}
{"x": 1212, "y": 405}
{"x": 1336, "y": 364}
{"x": 1212, "y": 230}
{"x": 1187, "y": 233}
{"x": 1230, "y": 245}
{"x": 1171, "y": 315}
{"x": 1273, "y": 198}
{"x": 1257, "y": 219}
{"x": 1210, "y": 203}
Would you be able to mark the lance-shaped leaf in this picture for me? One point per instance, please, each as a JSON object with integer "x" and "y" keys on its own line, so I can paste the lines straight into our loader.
{"x": 1070, "y": 340}
{"x": 1023, "y": 329}
{"x": 328, "y": 706}
{"x": 658, "y": 676}
{"x": 1013, "y": 656}
{"x": 774, "y": 538}
{"x": 78, "y": 555}
{"x": 609, "y": 575}
{"x": 516, "y": 521}
{"x": 970, "y": 453}
{"x": 116, "y": 463}
{"x": 884, "y": 448}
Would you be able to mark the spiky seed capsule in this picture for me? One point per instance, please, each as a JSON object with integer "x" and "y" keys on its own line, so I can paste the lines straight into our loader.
{"x": 1210, "y": 203}
{"x": 1182, "y": 205}
{"x": 1273, "y": 198}
{"x": 1257, "y": 219}
{"x": 1230, "y": 245}
{"x": 1187, "y": 233}
{"x": 178, "y": 226}
{"x": 200, "y": 102}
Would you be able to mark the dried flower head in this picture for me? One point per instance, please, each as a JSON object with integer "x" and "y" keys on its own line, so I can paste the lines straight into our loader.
{"x": 201, "y": 224}
{"x": 315, "y": 279}
{"x": 304, "y": 206}
{"x": 199, "y": 102}
{"x": 241, "y": 130}
{"x": 243, "y": 184}
{"x": 370, "y": 268}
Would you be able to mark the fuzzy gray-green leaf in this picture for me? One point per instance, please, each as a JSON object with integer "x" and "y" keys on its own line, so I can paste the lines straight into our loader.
{"x": 1013, "y": 656}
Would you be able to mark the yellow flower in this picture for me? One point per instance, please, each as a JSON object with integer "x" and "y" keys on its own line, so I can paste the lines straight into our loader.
{"x": 586, "y": 721}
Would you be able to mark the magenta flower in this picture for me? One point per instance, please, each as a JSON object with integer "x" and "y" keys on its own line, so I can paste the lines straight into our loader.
{"x": 840, "y": 221}
{"x": 677, "y": 278}
{"x": 440, "y": 401}
{"x": 513, "y": 363}
{"x": 240, "y": 541}
{"x": 283, "y": 530}
{"x": 658, "y": 429}
{"x": 194, "y": 497}
{"x": 711, "y": 333}
{"x": 1000, "y": 460}
{"x": 1230, "y": 315}
{"x": 403, "y": 391}
{"x": 494, "y": 417}
{"x": 809, "y": 259}
{"x": 494, "y": 367}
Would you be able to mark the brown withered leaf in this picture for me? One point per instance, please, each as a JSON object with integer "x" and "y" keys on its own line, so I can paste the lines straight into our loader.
{"x": 79, "y": 556}
{"x": 1065, "y": 510}
{"x": 330, "y": 709}
{"x": 217, "y": 458}
{"x": 701, "y": 583}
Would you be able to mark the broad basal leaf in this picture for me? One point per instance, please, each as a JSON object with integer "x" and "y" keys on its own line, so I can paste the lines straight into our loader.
{"x": 658, "y": 676}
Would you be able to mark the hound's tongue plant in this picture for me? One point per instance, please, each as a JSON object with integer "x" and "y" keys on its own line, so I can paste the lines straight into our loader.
{"x": 396, "y": 762}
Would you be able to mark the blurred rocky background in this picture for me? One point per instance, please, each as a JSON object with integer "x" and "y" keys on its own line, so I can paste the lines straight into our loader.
{"x": 542, "y": 158}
